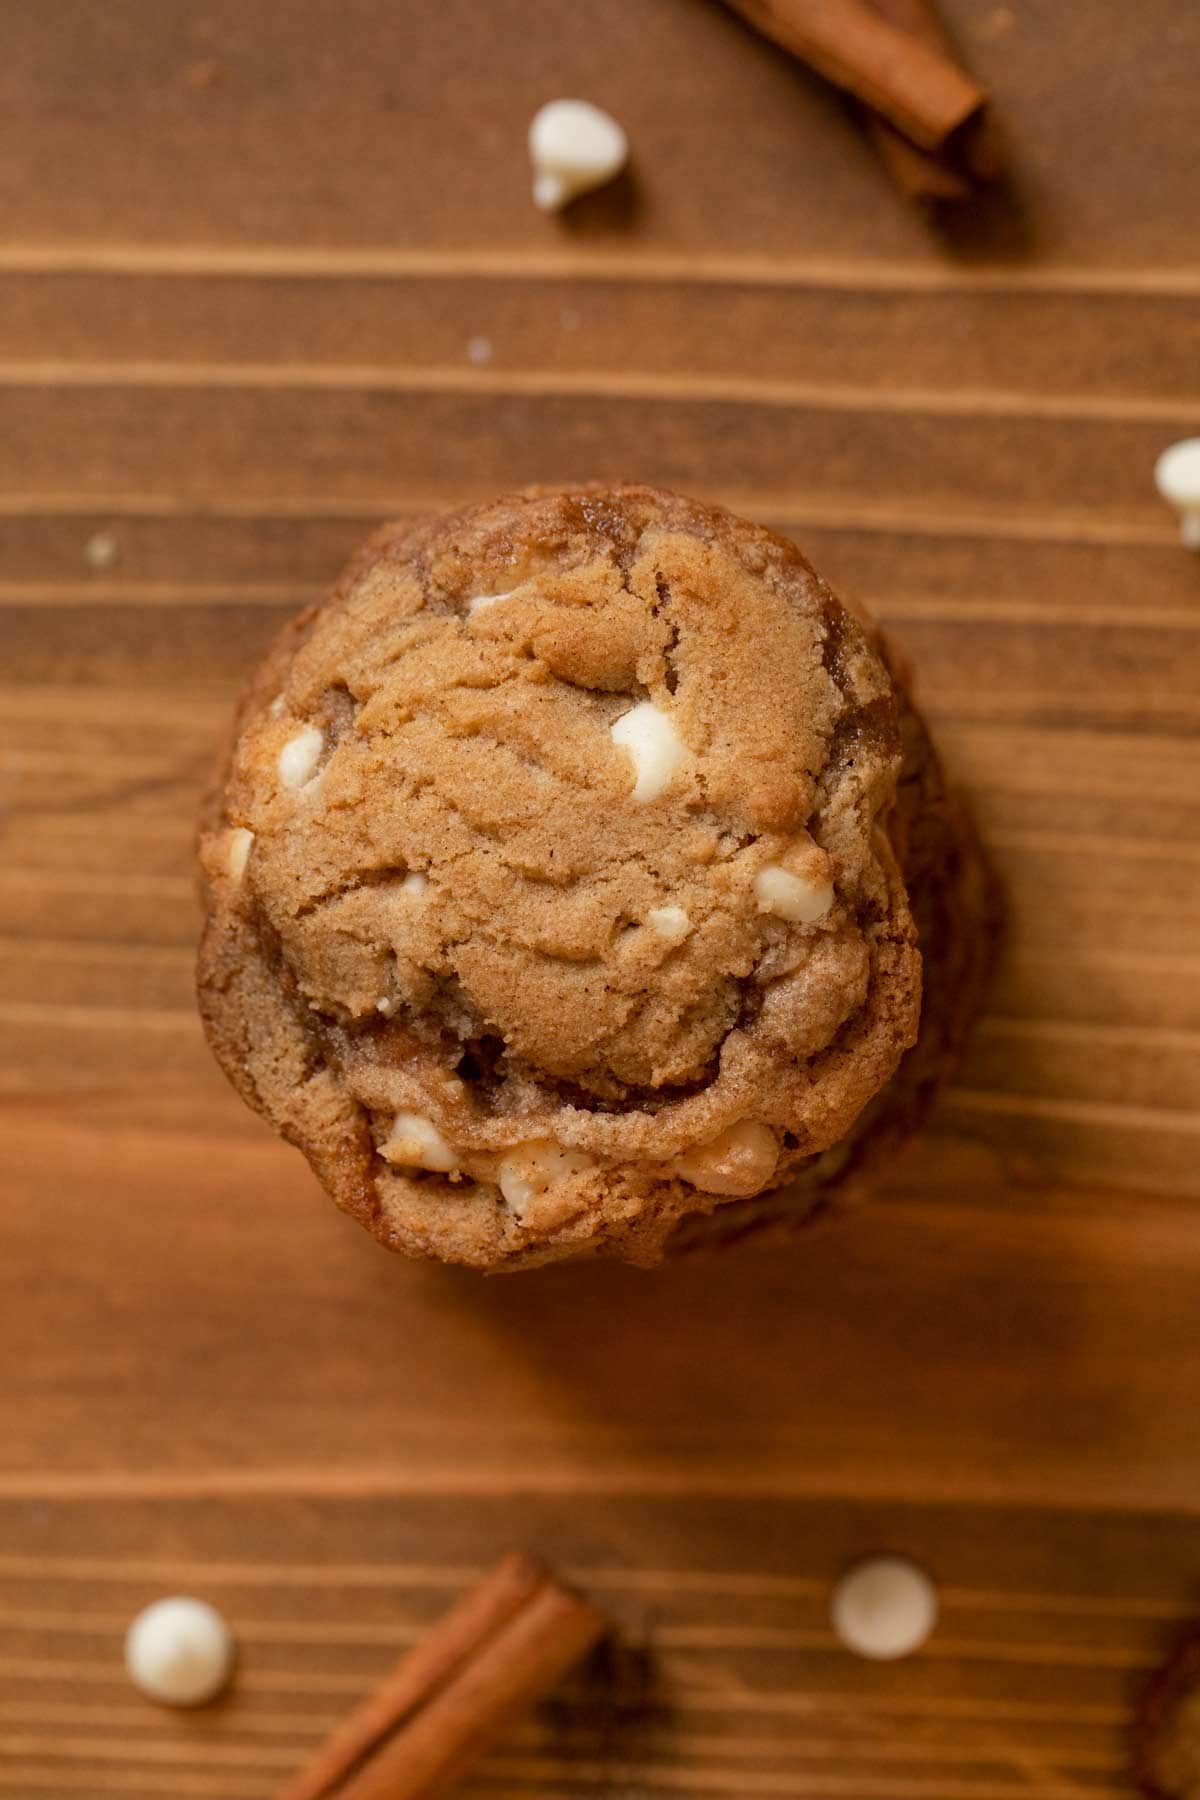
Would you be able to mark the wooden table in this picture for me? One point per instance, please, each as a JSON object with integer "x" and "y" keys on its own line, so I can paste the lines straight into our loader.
{"x": 269, "y": 274}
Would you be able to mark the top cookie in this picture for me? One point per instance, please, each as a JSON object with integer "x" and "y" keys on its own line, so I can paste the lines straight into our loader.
{"x": 551, "y": 896}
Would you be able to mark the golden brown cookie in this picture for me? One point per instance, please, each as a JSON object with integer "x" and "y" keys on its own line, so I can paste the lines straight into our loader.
{"x": 554, "y": 879}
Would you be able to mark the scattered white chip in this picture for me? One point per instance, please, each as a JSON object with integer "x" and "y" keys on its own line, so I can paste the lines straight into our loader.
{"x": 670, "y": 922}
{"x": 179, "y": 1651}
{"x": 1177, "y": 478}
{"x": 416, "y": 1143}
{"x": 884, "y": 1608}
{"x": 799, "y": 901}
{"x": 481, "y": 602}
{"x": 528, "y": 1169}
{"x": 100, "y": 551}
{"x": 300, "y": 755}
{"x": 240, "y": 841}
{"x": 656, "y": 747}
{"x": 574, "y": 147}
{"x": 479, "y": 350}
{"x": 414, "y": 882}
{"x": 739, "y": 1160}
{"x": 385, "y": 1006}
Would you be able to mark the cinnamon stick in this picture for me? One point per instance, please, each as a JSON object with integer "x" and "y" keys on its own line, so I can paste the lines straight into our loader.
{"x": 913, "y": 84}
{"x": 919, "y": 174}
{"x": 503, "y": 1645}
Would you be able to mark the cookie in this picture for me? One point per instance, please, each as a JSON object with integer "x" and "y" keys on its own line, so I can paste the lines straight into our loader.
{"x": 1167, "y": 1728}
{"x": 556, "y": 877}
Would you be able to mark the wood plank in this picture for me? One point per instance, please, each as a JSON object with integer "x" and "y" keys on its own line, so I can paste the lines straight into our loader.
{"x": 1117, "y": 1065}
{"x": 1141, "y": 987}
{"x": 1058, "y": 1298}
{"x": 370, "y": 446}
{"x": 1088, "y": 350}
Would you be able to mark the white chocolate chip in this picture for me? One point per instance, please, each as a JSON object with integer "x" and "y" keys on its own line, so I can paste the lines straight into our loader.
{"x": 300, "y": 755}
{"x": 385, "y": 1006}
{"x": 740, "y": 1160}
{"x": 1177, "y": 478}
{"x": 480, "y": 602}
{"x": 670, "y": 922}
{"x": 793, "y": 897}
{"x": 528, "y": 1169}
{"x": 884, "y": 1608}
{"x": 238, "y": 854}
{"x": 574, "y": 147}
{"x": 416, "y": 1142}
{"x": 414, "y": 882}
{"x": 179, "y": 1651}
{"x": 650, "y": 737}
{"x": 100, "y": 550}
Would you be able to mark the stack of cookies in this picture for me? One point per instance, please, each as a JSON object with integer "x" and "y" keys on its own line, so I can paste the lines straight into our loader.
{"x": 573, "y": 878}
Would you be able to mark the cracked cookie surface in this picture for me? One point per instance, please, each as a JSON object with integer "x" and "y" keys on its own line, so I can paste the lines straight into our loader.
{"x": 551, "y": 891}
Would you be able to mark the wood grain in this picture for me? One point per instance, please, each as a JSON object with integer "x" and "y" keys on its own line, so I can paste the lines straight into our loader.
{"x": 242, "y": 257}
